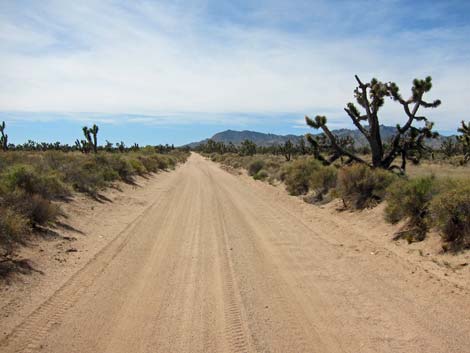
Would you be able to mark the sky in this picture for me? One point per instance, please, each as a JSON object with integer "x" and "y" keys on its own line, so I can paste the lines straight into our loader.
{"x": 179, "y": 71}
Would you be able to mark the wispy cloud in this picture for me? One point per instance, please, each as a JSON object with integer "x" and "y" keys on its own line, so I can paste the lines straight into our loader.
{"x": 152, "y": 62}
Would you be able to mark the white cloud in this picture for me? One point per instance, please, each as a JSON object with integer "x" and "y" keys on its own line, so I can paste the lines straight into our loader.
{"x": 149, "y": 58}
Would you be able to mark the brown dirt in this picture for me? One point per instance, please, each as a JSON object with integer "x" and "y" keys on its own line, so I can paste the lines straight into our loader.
{"x": 200, "y": 260}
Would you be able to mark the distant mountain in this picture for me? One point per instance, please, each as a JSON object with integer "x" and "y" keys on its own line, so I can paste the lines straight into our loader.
{"x": 262, "y": 139}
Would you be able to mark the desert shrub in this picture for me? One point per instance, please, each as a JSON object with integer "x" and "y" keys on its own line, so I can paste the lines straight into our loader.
{"x": 41, "y": 211}
{"x": 360, "y": 186}
{"x": 255, "y": 166}
{"x": 261, "y": 175}
{"x": 149, "y": 164}
{"x": 410, "y": 199}
{"x": 137, "y": 166}
{"x": 161, "y": 162}
{"x": 36, "y": 209}
{"x": 87, "y": 176}
{"x": 31, "y": 181}
{"x": 297, "y": 175}
{"x": 13, "y": 228}
{"x": 323, "y": 180}
{"x": 450, "y": 212}
{"x": 122, "y": 167}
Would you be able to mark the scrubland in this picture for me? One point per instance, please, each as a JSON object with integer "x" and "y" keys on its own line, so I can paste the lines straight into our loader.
{"x": 34, "y": 185}
{"x": 434, "y": 195}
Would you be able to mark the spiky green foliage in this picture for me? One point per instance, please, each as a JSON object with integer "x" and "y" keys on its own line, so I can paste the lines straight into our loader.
{"x": 3, "y": 137}
{"x": 91, "y": 140}
{"x": 247, "y": 148}
{"x": 464, "y": 141}
{"x": 371, "y": 97}
{"x": 287, "y": 149}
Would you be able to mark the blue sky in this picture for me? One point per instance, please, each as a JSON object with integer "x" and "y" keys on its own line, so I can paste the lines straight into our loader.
{"x": 173, "y": 72}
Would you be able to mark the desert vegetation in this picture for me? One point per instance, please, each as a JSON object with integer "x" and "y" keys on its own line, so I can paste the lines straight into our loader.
{"x": 431, "y": 193}
{"x": 36, "y": 178}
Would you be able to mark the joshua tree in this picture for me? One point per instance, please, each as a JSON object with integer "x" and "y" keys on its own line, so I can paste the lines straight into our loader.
{"x": 371, "y": 97}
{"x": 287, "y": 149}
{"x": 321, "y": 144}
{"x": 247, "y": 148}
{"x": 301, "y": 147}
{"x": 94, "y": 132}
{"x": 449, "y": 147}
{"x": 121, "y": 146}
{"x": 90, "y": 142}
{"x": 464, "y": 140}
{"x": 4, "y": 137}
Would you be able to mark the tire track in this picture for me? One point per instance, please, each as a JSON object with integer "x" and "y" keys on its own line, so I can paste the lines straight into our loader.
{"x": 236, "y": 332}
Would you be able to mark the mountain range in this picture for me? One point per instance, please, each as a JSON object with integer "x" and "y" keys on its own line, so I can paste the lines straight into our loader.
{"x": 263, "y": 139}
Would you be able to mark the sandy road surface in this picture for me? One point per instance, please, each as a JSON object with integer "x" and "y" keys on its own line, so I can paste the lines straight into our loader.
{"x": 214, "y": 264}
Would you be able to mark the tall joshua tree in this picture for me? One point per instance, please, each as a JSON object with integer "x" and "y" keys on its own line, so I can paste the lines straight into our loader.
{"x": 89, "y": 143}
{"x": 371, "y": 97}
{"x": 3, "y": 138}
{"x": 94, "y": 132}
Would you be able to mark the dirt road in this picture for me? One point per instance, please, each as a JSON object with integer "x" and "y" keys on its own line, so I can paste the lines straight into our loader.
{"x": 215, "y": 264}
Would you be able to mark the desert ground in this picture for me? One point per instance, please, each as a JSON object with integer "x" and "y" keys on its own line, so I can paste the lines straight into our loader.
{"x": 204, "y": 260}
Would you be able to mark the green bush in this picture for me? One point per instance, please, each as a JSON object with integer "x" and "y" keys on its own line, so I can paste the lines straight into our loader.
{"x": 410, "y": 199}
{"x": 298, "y": 174}
{"x": 137, "y": 166}
{"x": 450, "y": 212}
{"x": 322, "y": 181}
{"x": 255, "y": 166}
{"x": 261, "y": 175}
{"x": 360, "y": 186}
{"x": 29, "y": 180}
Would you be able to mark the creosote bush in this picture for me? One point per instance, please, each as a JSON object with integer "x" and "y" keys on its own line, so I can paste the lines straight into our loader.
{"x": 298, "y": 174}
{"x": 322, "y": 181}
{"x": 409, "y": 200}
{"x": 255, "y": 166}
{"x": 450, "y": 212}
{"x": 360, "y": 186}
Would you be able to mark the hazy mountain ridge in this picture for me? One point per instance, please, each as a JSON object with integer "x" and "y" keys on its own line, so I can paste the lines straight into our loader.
{"x": 267, "y": 139}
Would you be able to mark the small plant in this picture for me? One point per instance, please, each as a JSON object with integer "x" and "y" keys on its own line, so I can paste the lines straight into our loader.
{"x": 13, "y": 228}
{"x": 360, "y": 186}
{"x": 261, "y": 175}
{"x": 410, "y": 199}
{"x": 450, "y": 212}
{"x": 255, "y": 166}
